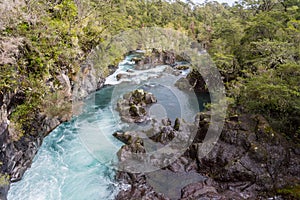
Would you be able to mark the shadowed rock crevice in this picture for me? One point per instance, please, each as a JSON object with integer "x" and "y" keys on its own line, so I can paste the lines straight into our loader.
{"x": 250, "y": 161}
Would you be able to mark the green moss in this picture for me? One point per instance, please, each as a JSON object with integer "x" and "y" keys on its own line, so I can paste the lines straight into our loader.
{"x": 8, "y": 78}
{"x": 177, "y": 124}
{"x": 292, "y": 191}
{"x": 63, "y": 35}
{"x": 23, "y": 27}
{"x": 22, "y": 118}
{"x": 4, "y": 179}
{"x": 269, "y": 130}
{"x": 54, "y": 105}
{"x": 16, "y": 131}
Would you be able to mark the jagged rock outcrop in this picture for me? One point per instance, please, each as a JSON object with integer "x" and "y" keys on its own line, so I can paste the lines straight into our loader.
{"x": 250, "y": 161}
{"x": 16, "y": 155}
{"x": 193, "y": 81}
{"x": 155, "y": 58}
{"x": 251, "y": 158}
{"x": 157, "y": 184}
{"x": 158, "y": 57}
{"x": 133, "y": 106}
{"x": 88, "y": 81}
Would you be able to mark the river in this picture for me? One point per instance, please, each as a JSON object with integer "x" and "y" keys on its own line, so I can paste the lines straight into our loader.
{"x": 75, "y": 161}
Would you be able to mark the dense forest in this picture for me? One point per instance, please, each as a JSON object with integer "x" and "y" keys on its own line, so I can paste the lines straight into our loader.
{"x": 254, "y": 43}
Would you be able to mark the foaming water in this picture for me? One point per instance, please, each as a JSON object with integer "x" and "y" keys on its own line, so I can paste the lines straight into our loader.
{"x": 64, "y": 169}
{"x": 75, "y": 160}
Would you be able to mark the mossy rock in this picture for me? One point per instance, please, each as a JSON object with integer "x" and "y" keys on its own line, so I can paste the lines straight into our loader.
{"x": 290, "y": 192}
{"x": 177, "y": 124}
{"x": 133, "y": 110}
{"x": 182, "y": 67}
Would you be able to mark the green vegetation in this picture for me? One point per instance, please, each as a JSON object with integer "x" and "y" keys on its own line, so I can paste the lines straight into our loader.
{"x": 4, "y": 179}
{"x": 255, "y": 45}
{"x": 293, "y": 192}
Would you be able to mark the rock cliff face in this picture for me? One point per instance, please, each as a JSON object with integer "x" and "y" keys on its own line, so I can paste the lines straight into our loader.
{"x": 16, "y": 155}
{"x": 250, "y": 161}
{"x": 155, "y": 58}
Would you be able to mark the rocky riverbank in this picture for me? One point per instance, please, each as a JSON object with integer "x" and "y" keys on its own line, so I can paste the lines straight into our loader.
{"x": 250, "y": 161}
{"x": 17, "y": 153}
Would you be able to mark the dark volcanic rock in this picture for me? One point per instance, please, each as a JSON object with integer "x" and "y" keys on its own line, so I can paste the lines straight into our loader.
{"x": 17, "y": 155}
{"x": 250, "y": 158}
{"x": 250, "y": 161}
{"x": 3, "y": 191}
{"x": 193, "y": 81}
{"x": 122, "y": 76}
{"x": 156, "y": 185}
{"x": 199, "y": 190}
{"x": 157, "y": 58}
{"x": 197, "y": 81}
{"x": 183, "y": 84}
{"x": 133, "y": 106}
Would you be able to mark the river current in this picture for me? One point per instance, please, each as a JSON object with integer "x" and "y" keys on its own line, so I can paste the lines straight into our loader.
{"x": 74, "y": 161}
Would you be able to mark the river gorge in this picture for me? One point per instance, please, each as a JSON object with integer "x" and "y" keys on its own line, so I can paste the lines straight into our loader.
{"x": 76, "y": 159}
{"x": 142, "y": 108}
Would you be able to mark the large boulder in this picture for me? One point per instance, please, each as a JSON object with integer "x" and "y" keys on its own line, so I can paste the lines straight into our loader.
{"x": 156, "y": 58}
{"x": 157, "y": 185}
{"x": 133, "y": 106}
{"x": 250, "y": 157}
{"x": 193, "y": 81}
{"x": 250, "y": 161}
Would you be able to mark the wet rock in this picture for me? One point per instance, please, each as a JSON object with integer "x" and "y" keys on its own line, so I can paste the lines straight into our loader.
{"x": 171, "y": 70}
{"x": 177, "y": 124}
{"x": 250, "y": 161}
{"x": 166, "y": 135}
{"x": 136, "y": 59}
{"x": 125, "y": 137}
{"x": 166, "y": 122}
{"x": 156, "y": 58}
{"x": 250, "y": 157}
{"x": 112, "y": 69}
{"x": 133, "y": 106}
{"x": 196, "y": 80}
{"x": 198, "y": 190}
{"x": 122, "y": 76}
{"x": 135, "y": 146}
{"x": 147, "y": 141}
{"x": 3, "y": 191}
{"x": 182, "y": 67}
{"x": 140, "y": 191}
{"x": 150, "y": 98}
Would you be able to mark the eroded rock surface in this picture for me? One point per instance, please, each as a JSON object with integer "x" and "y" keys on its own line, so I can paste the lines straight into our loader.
{"x": 193, "y": 81}
{"x": 250, "y": 161}
{"x": 250, "y": 158}
{"x": 133, "y": 106}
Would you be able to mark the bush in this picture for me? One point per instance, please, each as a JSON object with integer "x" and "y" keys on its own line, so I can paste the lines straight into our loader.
{"x": 276, "y": 95}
